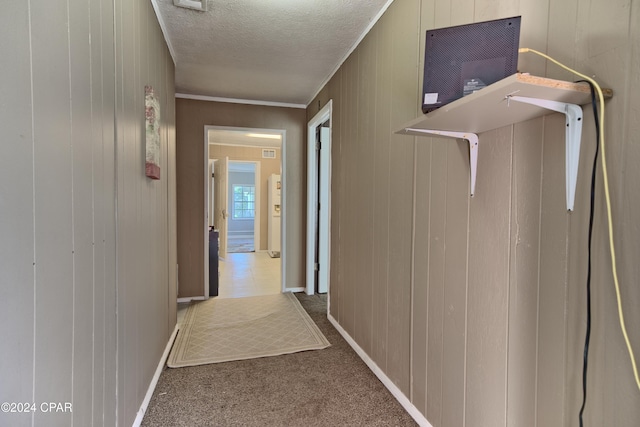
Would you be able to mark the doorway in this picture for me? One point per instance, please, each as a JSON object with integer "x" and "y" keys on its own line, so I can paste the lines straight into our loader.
{"x": 243, "y": 232}
{"x": 261, "y": 151}
{"x": 319, "y": 201}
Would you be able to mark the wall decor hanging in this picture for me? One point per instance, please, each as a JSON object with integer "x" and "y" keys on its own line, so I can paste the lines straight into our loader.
{"x": 152, "y": 127}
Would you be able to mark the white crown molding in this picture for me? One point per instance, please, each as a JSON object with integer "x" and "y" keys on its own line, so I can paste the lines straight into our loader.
{"x": 239, "y": 101}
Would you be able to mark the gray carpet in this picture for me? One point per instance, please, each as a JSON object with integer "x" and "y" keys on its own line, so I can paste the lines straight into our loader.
{"x": 329, "y": 387}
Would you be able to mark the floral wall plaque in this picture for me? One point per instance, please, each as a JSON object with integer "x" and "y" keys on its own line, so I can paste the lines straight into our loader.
{"x": 152, "y": 125}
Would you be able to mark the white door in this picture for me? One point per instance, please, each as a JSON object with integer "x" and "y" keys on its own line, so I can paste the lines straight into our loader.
{"x": 323, "y": 214}
{"x": 319, "y": 201}
{"x": 221, "y": 180}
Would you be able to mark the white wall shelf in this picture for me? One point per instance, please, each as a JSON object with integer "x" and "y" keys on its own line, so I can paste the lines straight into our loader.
{"x": 515, "y": 99}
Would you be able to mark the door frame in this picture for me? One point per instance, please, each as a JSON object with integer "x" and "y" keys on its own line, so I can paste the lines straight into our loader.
{"x": 283, "y": 168}
{"x": 326, "y": 113}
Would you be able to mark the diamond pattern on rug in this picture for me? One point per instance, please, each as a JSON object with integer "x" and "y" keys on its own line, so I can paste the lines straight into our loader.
{"x": 221, "y": 330}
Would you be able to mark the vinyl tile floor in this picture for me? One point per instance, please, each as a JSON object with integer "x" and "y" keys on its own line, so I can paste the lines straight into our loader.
{"x": 248, "y": 275}
{"x": 245, "y": 275}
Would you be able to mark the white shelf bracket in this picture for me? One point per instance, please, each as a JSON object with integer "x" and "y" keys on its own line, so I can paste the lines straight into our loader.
{"x": 471, "y": 138}
{"x": 573, "y": 134}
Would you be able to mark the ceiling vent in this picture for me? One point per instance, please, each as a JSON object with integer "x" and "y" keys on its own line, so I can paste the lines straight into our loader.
{"x": 200, "y": 5}
{"x": 268, "y": 154}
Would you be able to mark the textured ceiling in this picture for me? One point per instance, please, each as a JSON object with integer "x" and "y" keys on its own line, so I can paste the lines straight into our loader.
{"x": 264, "y": 50}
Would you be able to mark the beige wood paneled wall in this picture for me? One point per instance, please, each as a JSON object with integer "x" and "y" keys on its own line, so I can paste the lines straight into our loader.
{"x": 87, "y": 242}
{"x": 267, "y": 168}
{"x": 146, "y": 209}
{"x": 191, "y": 118}
{"x": 476, "y": 307}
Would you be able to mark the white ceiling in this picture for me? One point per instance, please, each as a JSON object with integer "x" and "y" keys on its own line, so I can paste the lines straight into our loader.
{"x": 272, "y": 51}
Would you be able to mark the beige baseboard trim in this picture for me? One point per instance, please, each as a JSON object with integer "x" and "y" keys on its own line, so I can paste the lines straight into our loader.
{"x": 395, "y": 391}
{"x": 154, "y": 380}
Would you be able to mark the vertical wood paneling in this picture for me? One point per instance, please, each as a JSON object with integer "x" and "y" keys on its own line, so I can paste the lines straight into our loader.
{"x": 122, "y": 252}
{"x": 435, "y": 319}
{"x": 350, "y": 237}
{"x": 335, "y": 275}
{"x": 611, "y": 59}
{"x": 552, "y": 338}
{"x": 53, "y": 210}
{"x": 442, "y": 14}
{"x": 454, "y": 336}
{"x": 561, "y": 37}
{"x": 381, "y": 183}
{"x": 460, "y": 12}
{"x": 488, "y": 295}
{"x": 126, "y": 163}
{"x": 142, "y": 206}
{"x": 521, "y": 295}
{"x": 624, "y": 409}
{"x": 576, "y": 296}
{"x": 363, "y": 194}
{"x": 533, "y": 34}
{"x": 404, "y": 90}
{"x": 100, "y": 215}
{"x": 108, "y": 195}
{"x": 420, "y": 300}
{"x": 17, "y": 252}
{"x": 594, "y": 56}
{"x": 347, "y": 312}
{"x": 341, "y": 196}
{"x": 171, "y": 188}
{"x": 148, "y": 208}
{"x": 485, "y": 10}
{"x": 420, "y": 371}
{"x": 61, "y": 222}
{"x": 455, "y": 243}
{"x": 82, "y": 195}
{"x": 524, "y": 267}
{"x": 601, "y": 373}
{"x": 553, "y": 259}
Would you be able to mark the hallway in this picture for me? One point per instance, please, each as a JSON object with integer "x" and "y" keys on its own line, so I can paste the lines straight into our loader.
{"x": 329, "y": 387}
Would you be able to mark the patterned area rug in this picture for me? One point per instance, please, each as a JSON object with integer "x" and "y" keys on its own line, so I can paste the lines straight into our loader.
{"x": 221, "y": 330}
{"x": 240, "y": 245}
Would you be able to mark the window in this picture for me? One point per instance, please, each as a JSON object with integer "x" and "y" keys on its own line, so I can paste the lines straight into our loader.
{"x": 244, "y": 201}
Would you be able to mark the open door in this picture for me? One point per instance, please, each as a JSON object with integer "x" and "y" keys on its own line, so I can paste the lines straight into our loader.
{"x": 319, "y": 201}
{"x": 221, "y": 210}
{"x": 322, "y": 254}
